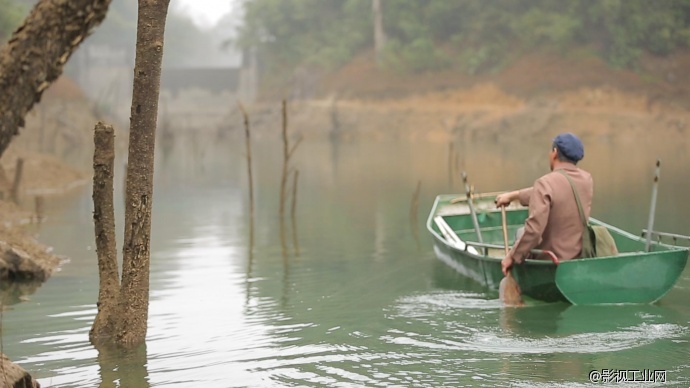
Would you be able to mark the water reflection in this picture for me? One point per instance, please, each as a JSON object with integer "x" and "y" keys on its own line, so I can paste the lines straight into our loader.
{"x": 537, "y": 329}
{"x": 16, "y": 292}
{"x": 126, "y": 368}
{"x": 362, "y": 304}
{"x": 568, "y": 341}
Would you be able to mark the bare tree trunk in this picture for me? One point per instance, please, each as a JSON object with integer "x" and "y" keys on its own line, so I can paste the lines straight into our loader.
{"x": 414, "y": 208}
{"x": 284, "y": 175}
{"x": 104, "y": 222}
{"x": 248, "y": 144}
{"x": 36, "y": 54}
{"x": 379, "y": 33}
{"x": 293, "y": 209}
{"x": 287, "y": 154}
{"x": 134, "y": 294}
{"x": 19, "y": 168}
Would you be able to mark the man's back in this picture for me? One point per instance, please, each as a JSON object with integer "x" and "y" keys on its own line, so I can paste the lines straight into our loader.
{"x": 563, "y": 232}
{"x": 554, "y": 221}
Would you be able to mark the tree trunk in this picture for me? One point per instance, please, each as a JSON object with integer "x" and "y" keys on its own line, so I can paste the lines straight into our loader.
{"x": 134, "y": 293}
{"x": 103, "y": 327}
{"x": 284, "y": 175}
{"x": 379, "y": 33}
{"x": 36, "y": 54}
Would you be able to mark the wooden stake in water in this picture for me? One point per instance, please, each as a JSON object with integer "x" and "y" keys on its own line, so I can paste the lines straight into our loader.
{"x": 248, "y": 144}
{"x": 14, "y": 195}
{"x": 287, "y": 154}
{"x": 413, "y": 212}
{"x": 295, "y": 240}
{"x": 652, "y": 208}
{"x": 283, "y": 179}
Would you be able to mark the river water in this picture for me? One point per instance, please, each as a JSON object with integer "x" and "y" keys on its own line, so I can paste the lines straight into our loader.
{"x": 354, "y": 296}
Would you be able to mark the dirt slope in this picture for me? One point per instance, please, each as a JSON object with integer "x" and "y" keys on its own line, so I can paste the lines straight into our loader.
{"x": 536, "y": 75}
{"x": 540, "y": 94}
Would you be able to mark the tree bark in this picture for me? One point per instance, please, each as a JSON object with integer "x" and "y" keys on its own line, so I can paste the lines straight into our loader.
{"x": 36, "y": 54}
{"x": 104, "y": 224}
{"x": 134, "y": 293}
{"x": 379, "y": 32}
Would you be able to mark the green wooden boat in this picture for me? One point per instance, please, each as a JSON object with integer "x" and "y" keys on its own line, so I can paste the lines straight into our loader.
{"x": 632, "y": 276}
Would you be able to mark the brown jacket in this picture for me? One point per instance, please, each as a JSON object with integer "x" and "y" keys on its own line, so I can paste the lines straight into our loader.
{"x": 554, "y": 220}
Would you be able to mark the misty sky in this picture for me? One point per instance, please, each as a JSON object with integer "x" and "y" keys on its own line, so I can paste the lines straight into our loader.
{"x": 205, "y": 13}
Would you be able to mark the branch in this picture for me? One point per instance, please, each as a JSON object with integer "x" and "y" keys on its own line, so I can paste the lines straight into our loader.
{"x": 294, "y": 147}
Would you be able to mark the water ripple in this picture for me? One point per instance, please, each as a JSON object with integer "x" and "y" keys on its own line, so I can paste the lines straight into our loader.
{"x": 581, "y": 343}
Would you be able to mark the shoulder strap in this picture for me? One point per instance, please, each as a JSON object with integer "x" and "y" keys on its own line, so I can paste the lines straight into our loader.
{"x": 577, "y": 198}
{"x": 588, "y": 239}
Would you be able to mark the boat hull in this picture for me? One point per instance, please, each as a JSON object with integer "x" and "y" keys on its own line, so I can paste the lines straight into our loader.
{"x": 633, "y": 276}
{"x": 536, "y": 278}
{"x": 641, "y": 278}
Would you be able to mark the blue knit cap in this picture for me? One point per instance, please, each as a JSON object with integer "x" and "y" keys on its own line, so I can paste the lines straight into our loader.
{"x": 569, "y": 146}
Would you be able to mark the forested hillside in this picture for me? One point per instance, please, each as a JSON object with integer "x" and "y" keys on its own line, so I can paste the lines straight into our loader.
{"x": 468, "y": 36}
{"x": 307, "y": 47}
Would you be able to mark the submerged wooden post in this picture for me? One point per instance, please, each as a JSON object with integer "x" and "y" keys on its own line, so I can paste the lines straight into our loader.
{"x": 249, "y": 174}
{"x": 134, "y": 290}
{"x": 4, "y": 184}
{"x": 283, "y": 177}
{"x": 250, "y": 253}
{"x": 335, "y": 121}
{"x": 104, "y": 227}
{"x": 295, "y": 241}
{"x": 39, "y": 208}
{"x": 124, "y": 320}
{"x": 414, "y": 206}
{"x": 17, "y": 180}
{"x": 287, "y": 154}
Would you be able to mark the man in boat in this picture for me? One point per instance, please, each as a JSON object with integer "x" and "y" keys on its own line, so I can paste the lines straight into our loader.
{"x": 554, "y": 222}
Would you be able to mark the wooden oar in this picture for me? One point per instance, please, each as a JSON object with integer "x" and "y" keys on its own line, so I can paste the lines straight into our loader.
{"x": 452, "y": 238}
{"x": 508, "y": 290}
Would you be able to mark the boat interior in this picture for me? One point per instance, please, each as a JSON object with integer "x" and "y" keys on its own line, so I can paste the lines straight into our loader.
{"x": 453, "y": 220}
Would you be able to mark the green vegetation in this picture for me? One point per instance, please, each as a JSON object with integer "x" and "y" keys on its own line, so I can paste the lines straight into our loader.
{"x": 476, "y": 36}
{"x": 310, "y": 32}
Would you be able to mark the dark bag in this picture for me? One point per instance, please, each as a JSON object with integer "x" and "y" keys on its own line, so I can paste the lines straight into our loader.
{"x": 596, "y": 239}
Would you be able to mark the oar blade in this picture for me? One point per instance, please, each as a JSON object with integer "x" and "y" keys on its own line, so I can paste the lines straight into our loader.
{"x": 509, "y": 291}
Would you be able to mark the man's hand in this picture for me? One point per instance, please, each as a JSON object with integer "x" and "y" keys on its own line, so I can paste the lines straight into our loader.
{"x": 506, "y": 198}
{"x": 506, "y": 264}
